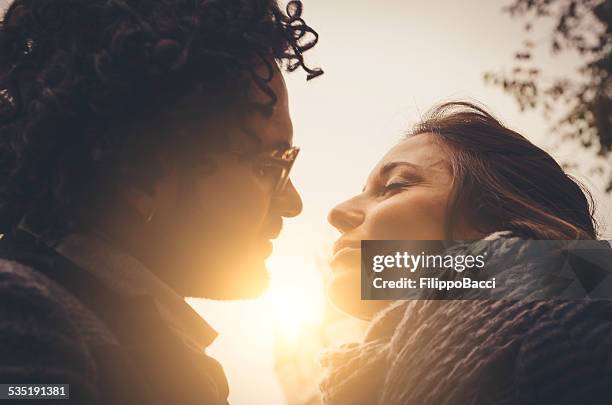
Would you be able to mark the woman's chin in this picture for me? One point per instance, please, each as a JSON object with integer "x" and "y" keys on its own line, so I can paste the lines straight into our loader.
{"x": 344, "y": 291}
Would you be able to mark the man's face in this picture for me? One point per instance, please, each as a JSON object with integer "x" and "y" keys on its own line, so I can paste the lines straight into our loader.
{"x": 214, "y": 231}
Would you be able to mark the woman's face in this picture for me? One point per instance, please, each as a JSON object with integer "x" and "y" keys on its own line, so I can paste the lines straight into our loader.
{"x": 404, "y": 198}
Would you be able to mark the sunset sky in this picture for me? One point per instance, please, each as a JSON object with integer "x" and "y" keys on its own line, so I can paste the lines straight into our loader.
{"x": 386, "y": 63}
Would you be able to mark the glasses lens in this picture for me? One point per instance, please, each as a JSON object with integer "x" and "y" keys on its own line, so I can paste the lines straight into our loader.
{"x": 287, "y": 157}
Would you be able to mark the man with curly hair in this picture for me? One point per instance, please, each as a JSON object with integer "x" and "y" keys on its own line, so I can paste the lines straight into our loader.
{"x": 145, "y": 149}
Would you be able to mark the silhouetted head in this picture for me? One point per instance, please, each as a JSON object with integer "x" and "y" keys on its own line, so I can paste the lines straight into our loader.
{"x": 154, "y": 122}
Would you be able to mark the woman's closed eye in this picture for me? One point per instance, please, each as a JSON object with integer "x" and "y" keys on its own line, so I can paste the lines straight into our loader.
{"x": 395, "y": 185}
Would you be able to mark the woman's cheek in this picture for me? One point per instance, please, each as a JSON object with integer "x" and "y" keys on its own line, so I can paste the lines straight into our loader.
{"x": 411, "y": 215}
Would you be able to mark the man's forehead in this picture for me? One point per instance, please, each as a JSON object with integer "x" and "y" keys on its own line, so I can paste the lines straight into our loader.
{"x": 275, "y": 129}
{"x": 276, "y": 83}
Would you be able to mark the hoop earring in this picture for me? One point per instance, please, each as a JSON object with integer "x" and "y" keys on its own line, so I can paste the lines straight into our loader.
{"x": 150, "y": 216}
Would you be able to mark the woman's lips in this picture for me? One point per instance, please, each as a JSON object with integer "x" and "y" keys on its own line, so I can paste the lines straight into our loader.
{"x": 346, "y": 256}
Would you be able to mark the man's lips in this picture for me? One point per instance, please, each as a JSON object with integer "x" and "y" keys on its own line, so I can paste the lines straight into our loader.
{"x": 272, "y": 232}
{"x": 267, "y": 248}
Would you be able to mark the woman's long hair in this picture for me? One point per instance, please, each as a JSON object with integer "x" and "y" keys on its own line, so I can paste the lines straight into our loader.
{"x": 504, "y": 182}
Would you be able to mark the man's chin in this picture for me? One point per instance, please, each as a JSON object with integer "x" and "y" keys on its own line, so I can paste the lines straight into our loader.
{"x": 229, "y": 284}
{"x": 251, "y": 287}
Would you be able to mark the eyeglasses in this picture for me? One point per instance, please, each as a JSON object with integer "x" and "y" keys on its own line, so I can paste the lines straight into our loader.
{"x": 275, "y": 166}
{"x": 272, "y": 167}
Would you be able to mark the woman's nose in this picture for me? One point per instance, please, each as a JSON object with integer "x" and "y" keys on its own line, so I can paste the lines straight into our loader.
{"x": 345, "y": 216}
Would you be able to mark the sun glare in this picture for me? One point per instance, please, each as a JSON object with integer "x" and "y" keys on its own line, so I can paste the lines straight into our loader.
{"x": 295, "y": 298}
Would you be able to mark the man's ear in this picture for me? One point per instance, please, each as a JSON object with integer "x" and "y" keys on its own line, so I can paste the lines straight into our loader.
{"x": 159, "y": 199}
{"x": 139, "y": 200}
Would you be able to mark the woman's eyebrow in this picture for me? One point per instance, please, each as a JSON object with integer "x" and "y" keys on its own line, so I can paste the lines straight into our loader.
{"x": 392, "y": 165}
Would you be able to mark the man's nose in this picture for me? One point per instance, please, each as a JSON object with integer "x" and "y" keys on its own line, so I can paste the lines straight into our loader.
{"x": 345, "y": 216}
{"x": 289, "y": 202}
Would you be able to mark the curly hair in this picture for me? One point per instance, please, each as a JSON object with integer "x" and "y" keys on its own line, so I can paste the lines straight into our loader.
{"x": 91, "y": 89}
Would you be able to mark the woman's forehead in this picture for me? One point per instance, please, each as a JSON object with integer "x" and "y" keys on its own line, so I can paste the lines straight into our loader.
{"x": 424, "y": 155}
{"x": 421, "y": 150}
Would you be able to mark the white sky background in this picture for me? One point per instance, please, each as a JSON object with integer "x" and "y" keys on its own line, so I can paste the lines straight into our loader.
{"x": 385, "y": 63}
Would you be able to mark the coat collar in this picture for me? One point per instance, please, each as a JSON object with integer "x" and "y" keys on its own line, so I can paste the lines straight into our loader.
{"x": 124, "y": 274}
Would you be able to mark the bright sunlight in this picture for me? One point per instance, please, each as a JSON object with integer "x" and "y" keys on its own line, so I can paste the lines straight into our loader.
{"x": 295, "y": 298}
